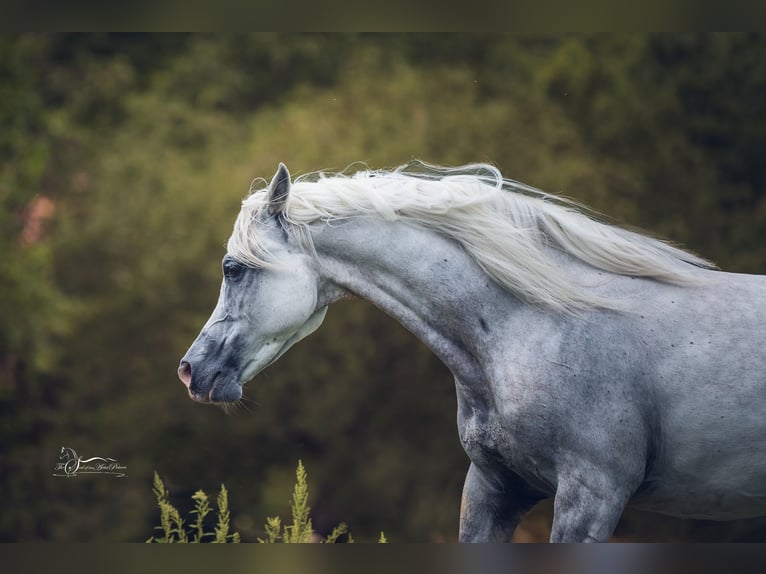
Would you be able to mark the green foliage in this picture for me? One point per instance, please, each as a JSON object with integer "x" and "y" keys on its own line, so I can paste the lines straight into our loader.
{"x": 222, "y": 526}
{"x": 273, "y": 529}
{"x": 172, "y": 525}
{"x": 202, "y": 509}
{"x": 301, "y": 530}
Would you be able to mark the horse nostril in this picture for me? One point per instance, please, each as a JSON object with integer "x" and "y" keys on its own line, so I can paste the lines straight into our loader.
{"x": 184, "y": 373}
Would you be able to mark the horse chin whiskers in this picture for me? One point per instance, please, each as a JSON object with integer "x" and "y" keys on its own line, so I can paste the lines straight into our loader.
{"x": 233, "y": 407}
{"x": 227, "y": 408}
{"x": 242, "y": 404}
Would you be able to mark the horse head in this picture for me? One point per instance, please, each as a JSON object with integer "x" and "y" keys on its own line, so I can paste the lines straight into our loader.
{"x": 262, "y": 310}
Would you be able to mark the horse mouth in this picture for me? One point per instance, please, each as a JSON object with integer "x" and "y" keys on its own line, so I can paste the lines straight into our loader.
{"x": 200, "y": 398}
{"x": 220, "y": 391}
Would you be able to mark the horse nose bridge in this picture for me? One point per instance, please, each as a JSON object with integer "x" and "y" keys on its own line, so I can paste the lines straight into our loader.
{"x": 212, "y": 334}
{"x": 185, "y": 373}
{"x": 207, "y": 344}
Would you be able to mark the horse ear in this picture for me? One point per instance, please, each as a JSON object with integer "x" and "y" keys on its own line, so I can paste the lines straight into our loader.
{"x": 279, "y": 189}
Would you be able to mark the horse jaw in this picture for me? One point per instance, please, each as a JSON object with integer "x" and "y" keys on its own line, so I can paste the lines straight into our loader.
{"x": 258, "y": 363}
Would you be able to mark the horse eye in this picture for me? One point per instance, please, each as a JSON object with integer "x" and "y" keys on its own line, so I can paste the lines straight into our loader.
{"x": 231, "y": 269}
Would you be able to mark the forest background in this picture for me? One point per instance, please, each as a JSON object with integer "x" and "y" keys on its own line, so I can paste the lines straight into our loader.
{"x": 123, "y": 159}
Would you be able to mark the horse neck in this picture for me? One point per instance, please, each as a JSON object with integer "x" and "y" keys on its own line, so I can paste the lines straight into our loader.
{"x": 424, "y": 280}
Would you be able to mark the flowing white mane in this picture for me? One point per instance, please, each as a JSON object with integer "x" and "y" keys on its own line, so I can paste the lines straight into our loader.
{"x": 505, "y": 225}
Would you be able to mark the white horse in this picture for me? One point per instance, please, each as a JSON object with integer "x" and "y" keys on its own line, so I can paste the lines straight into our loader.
{"x": 592, "y": 364}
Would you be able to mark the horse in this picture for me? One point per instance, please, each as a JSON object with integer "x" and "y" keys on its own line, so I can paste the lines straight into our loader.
{"x": 593, "y": 364}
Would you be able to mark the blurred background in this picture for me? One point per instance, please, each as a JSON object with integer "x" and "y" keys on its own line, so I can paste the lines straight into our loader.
{"x": 123, "y": 159}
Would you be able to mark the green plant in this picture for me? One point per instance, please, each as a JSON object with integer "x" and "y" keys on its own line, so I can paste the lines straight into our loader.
{"x": 172, "y": 525}
{"x": 300, "y": 531}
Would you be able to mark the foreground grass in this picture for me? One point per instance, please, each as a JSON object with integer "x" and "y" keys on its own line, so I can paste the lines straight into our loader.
{"x": 175, "y": 530}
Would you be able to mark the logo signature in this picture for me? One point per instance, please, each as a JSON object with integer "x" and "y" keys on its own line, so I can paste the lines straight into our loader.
{"x": 71, "y": 465}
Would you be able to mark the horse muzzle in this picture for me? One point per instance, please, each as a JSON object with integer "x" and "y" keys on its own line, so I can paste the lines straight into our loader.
{"x": 217, "y": 390}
